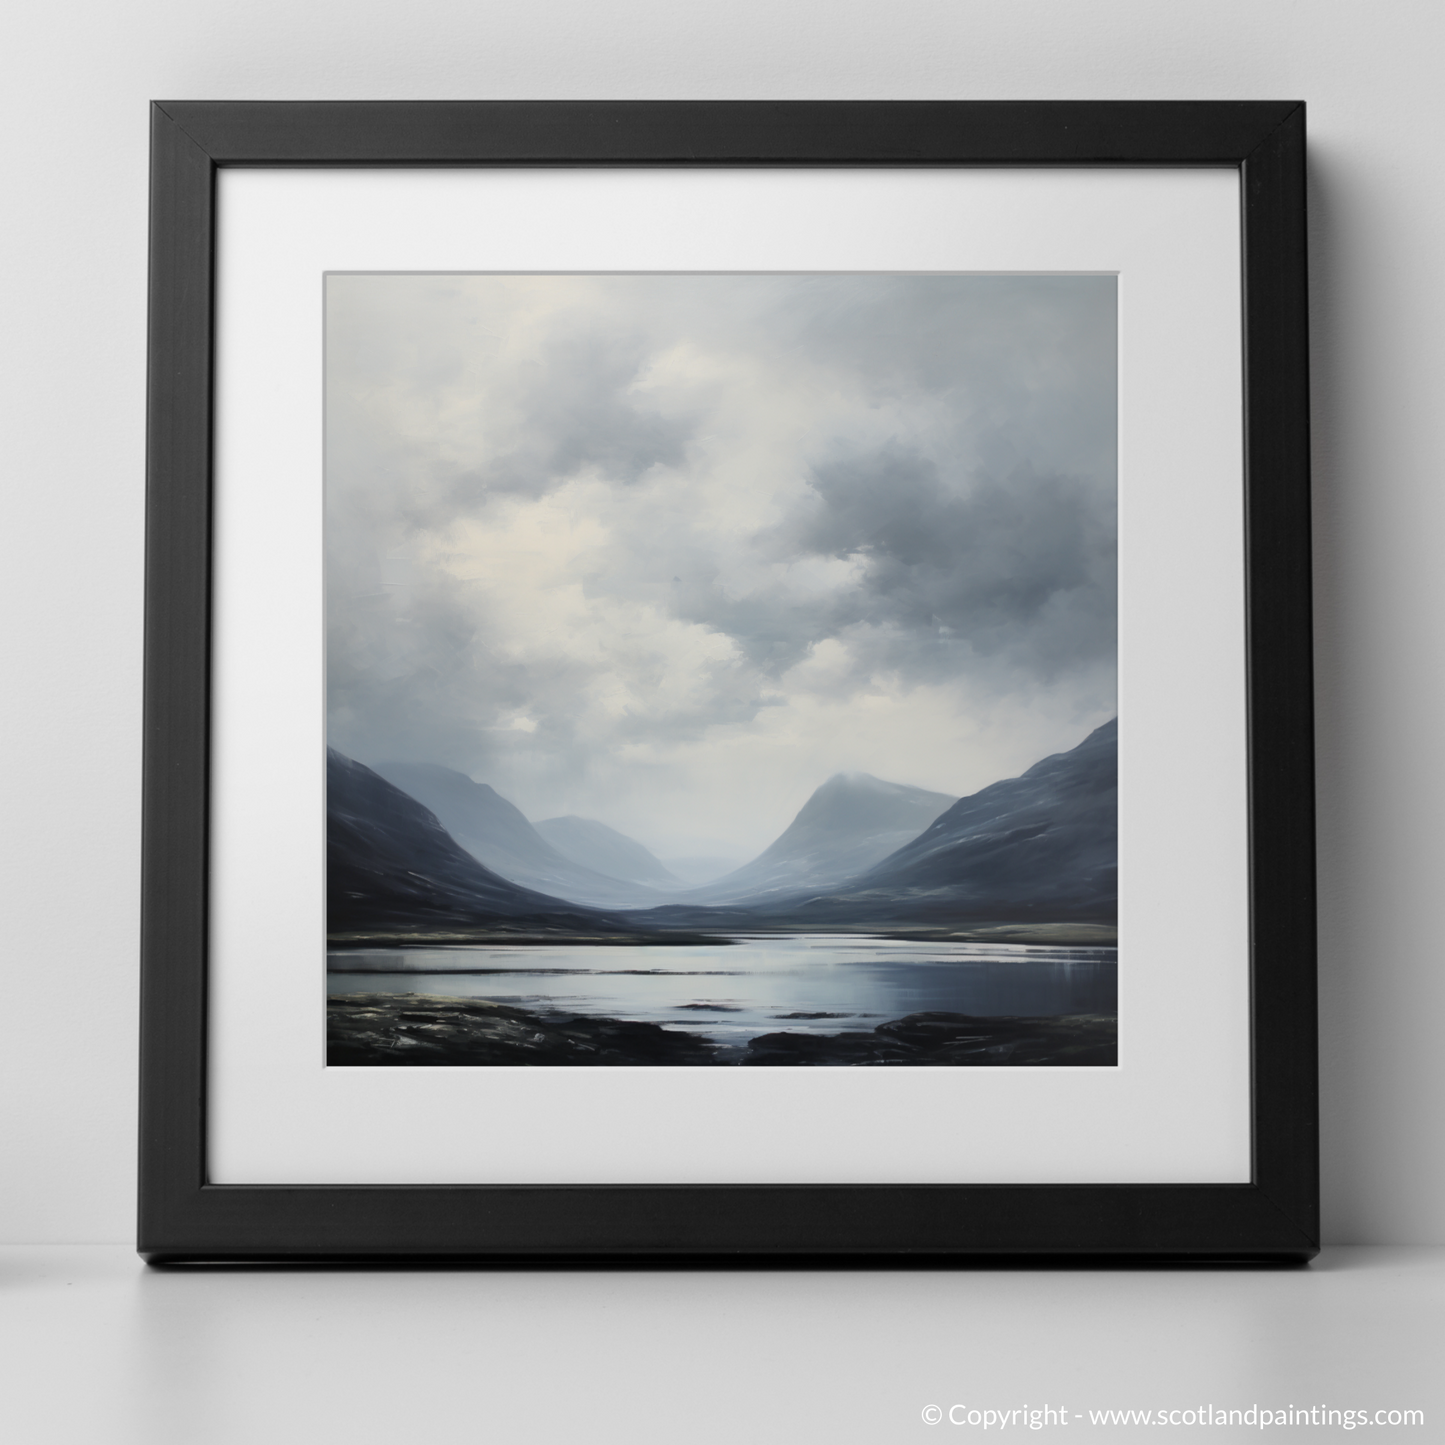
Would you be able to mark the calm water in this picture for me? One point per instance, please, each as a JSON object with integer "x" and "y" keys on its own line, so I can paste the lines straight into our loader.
{"x": 732, "y": 992}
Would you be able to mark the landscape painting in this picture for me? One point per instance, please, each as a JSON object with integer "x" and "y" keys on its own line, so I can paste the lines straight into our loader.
{"x": 721, "y": 670}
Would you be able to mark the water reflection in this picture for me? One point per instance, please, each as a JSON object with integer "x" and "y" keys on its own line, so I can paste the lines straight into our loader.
{"x": 810, "y": 983}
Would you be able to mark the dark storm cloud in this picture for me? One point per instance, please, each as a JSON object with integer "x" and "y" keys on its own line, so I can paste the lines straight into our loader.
{"x": 990, "y": 534}
{"x": 1020, "y": 570}
{"x": 1024, "y": 564}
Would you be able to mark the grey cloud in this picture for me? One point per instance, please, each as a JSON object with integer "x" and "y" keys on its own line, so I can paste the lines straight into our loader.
{"x": 1026, "y": 364}
{"x": 410, "y": 674}
{"x": 771, "y": 628}
{"x": 1021, "y": 570}
{"x": 1000, "y": 567}
{"x": 579, "y": 411}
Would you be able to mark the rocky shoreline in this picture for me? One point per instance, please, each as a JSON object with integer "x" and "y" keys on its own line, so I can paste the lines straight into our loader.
{"x": 388, "y": 1030}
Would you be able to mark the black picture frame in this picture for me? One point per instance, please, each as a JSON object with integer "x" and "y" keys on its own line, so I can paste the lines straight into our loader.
{"x": 183, "y": 1217}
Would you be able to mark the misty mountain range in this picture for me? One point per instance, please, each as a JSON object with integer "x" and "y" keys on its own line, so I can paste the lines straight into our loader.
{"x": 1039, "y": 848}
{"x": 422, "y": 848}
{"x": 391, "y": 868}
{"x": 594, "y": 845}
{"x": 498, "y": 835}
{"x": 852, "y": 822}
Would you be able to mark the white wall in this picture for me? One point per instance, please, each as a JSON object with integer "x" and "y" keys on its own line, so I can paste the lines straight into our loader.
{"x": 75, "y": 78}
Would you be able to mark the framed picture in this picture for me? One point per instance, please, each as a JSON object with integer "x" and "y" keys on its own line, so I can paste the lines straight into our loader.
{"x": 728, "y": 681}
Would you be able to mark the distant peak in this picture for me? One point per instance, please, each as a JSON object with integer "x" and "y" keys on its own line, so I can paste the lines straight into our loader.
{"x": 856, "y": 780}
{"x": 864, "y": 783}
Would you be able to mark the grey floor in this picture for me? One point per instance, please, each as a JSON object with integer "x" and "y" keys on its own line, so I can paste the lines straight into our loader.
{"x": 95, "y": 1348}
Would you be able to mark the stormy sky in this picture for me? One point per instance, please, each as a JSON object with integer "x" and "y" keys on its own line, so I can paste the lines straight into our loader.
{"x": 668, "y": 551}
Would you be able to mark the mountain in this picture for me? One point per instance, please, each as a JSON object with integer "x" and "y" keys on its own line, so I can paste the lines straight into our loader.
{"x": 392, "y": 868}
{"x": 850, "y": 823}
{"x": 498, "y": 835}
{"x": 596, "y": 846}
{"x": 1039, "y": 848}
